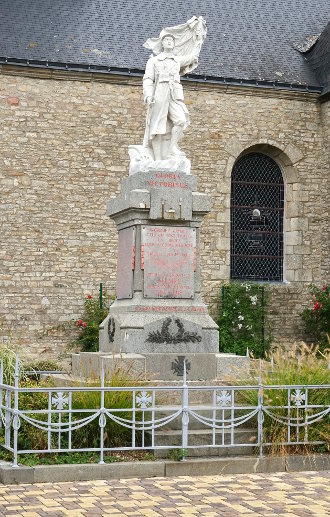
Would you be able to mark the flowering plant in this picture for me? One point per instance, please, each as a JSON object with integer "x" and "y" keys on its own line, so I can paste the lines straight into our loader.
{"x": 317, "y": 319}
{"x": 88, "y": 326}
{"x": 242, "y": 319}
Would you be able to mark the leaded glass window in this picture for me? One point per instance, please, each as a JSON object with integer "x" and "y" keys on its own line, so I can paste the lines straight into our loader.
{"x": 256, "y": 216}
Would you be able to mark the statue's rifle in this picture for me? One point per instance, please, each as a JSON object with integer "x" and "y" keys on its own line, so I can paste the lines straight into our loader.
{"x": 149, "y": 112}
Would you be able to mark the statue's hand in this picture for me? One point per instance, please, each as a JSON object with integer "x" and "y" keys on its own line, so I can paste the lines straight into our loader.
{"x": 149, "y": 100}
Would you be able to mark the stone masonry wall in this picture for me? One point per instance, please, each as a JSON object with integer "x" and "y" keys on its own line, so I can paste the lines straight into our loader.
{"x": 63, "y": 152}
{"x": 325, "y": 164}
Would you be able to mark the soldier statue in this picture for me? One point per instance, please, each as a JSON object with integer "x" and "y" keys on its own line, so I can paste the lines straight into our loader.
{"x": 175, "y": 53}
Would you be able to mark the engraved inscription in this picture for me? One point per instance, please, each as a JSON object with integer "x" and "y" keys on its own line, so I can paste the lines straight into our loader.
{"x": 170, "y": 308}
{"x": 125, "y": 263}
{"x": 167, "y": 181}
{"x": 168, "y": 258}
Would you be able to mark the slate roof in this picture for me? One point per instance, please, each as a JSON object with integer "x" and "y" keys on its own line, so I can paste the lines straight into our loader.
{"x": 319, "y": 59}
{"x": 247, "y": 39}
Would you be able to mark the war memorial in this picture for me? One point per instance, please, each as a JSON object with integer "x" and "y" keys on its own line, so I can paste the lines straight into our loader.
{"x": 197, "y": 411}
{"x": 159, "y": 319}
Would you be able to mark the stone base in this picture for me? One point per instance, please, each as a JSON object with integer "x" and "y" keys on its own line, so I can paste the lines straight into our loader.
{"x": 141, "y": 160}
{"x": 163, "y": 366}
{"x": 153, "y": 326}
{"x": 158, "y": 307}
{"x": 88, "y": 365}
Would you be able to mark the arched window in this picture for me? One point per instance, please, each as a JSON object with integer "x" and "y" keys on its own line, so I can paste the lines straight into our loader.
{"x": 256, "y": 217}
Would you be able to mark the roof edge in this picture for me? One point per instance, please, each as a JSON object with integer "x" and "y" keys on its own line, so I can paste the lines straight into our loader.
{"x": 136, "y": 72}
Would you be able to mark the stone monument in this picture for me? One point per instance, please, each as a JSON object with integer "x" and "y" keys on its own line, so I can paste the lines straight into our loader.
{"x": 158, "y": 318}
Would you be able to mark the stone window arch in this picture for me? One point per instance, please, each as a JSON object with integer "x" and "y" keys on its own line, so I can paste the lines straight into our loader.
{"x": 256, "y": 219}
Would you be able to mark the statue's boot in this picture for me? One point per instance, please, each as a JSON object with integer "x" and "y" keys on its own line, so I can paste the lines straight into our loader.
{"x": 174, "y": 149}
{"x": 157, "y": 147}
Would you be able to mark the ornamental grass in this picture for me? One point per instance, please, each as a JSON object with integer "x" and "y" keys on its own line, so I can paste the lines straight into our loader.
{"x": 115, "y": 435}
{"x": 302, "y": 365}
{"x": 88, "y": 436}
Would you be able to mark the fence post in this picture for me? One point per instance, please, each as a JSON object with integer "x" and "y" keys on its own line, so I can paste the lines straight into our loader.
{"x": 263, "y": 319}
{"x": 102, "y": 419}
{"x": 185, "y": 413}
{"x": 260, "y": 412}
{"x": 7, "y": 405}
{"x": 7, "y": 417}
{"x": 16, "y": 419}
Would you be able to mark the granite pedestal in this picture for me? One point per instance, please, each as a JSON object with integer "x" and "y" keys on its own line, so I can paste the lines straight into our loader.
{"x": 158, "y": 318}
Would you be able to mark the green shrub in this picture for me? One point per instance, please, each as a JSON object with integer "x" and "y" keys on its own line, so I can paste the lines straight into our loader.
{"x": 70, "y": 458}
{"x": 242, "y": 319}
{"x": 302, "y": 365}
{"x": 8, "y": 357}
{"x": 42, "y": 365}
{"x": 317, "y": 319}
{"x": 115, "y": 435}
{"x": 30, "y": 437}
{"x": 87, "y": 326}
{"x": 32, "y": 368}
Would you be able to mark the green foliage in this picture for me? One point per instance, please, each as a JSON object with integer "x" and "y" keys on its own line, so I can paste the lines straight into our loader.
{"x": 302, "y": 365}
{"x": 242, "y": 319}
{"x": 317, "y": 319}
{"x": 115, "y": 435}
{"x": 70, "y": 458}
{"x": 42, "y": 365}
{"x": 32, "y": 368}
{"x": 176, "y": 454}
{"x": 8, "y": 358}
{"x": 30, "y": 437}
{"x": 88, "y": 325}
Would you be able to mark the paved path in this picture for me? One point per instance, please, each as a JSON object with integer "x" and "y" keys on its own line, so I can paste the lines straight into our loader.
{"x": 295, "y": 494}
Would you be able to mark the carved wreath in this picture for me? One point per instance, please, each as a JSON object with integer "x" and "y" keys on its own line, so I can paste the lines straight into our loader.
{"x": 111, "y": 329}
{"x": 165, "y": 336}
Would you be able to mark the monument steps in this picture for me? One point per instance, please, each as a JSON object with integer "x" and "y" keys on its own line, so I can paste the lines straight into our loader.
{"x": 204, "y": 412}
{"x": 66, "y": 379}
{"x": 205, "y": 369}
{"x": 199, "y": 438}
{"x": 199, "y": 435}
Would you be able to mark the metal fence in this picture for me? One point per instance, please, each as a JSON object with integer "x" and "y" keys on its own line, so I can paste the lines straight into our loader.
{"x": 219, "y": 411}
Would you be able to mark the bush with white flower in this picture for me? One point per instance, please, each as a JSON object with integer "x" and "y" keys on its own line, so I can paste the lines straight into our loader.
{"x": 242, "y": 320}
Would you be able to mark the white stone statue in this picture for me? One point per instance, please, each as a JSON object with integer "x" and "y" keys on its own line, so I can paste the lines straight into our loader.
{"x": 175, "y": 53}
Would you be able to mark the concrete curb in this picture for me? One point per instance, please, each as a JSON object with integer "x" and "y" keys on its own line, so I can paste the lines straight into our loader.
{"x": 166, "y": 468}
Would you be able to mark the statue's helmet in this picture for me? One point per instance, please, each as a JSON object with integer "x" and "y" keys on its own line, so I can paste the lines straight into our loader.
{"x": 168, "y": 35}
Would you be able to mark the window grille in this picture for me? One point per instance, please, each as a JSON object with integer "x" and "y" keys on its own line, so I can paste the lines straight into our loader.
{"x": 256, "y": 218}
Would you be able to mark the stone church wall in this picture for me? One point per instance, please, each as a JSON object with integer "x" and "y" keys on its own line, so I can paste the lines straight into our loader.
{"x": 63, "y": 152}
{"x": 325, "y": 165}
